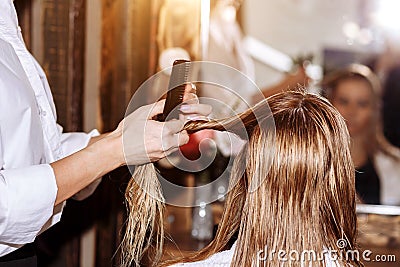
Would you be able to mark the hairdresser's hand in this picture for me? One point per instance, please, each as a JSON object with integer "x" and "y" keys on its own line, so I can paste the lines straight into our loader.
{"x": 191, "y": 109}
{"x": 146, "y": 140}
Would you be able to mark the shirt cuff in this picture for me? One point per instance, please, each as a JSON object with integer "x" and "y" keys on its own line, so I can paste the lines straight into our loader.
{"x": 27, "y": 202}
{"x": 73, "y": 142}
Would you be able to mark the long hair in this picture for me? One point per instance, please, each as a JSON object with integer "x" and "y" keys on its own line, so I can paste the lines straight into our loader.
{"x": 304, "y": 198}
{"x": 357, "y": 72}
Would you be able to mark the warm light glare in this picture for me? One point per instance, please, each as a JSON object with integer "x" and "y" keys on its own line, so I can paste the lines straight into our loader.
{"x": 229, "y": 14}
{"x": 267, "y": 55}
{"x": 351, "y": 29}
{"x": 387, "y": 14}
{"x": 353, "y": 33}
{"x": 365, "y": 36}
{"x": 204, "y": 26}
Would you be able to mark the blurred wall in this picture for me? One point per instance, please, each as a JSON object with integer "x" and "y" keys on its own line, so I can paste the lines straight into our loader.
{"x": 296, "y": 27}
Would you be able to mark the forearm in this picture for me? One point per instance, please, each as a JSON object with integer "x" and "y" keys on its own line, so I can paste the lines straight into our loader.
{"x": 149, "y": 141}
{"x": 77, "y": 171}
{"x": 97, "y": 138}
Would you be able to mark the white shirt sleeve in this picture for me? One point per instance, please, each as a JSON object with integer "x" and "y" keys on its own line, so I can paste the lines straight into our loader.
{"x": 73, "y": 142}
{"x": 27, "y": 197}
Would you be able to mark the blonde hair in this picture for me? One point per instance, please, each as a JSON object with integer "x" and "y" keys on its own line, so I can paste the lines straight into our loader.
{"x": 376, "y": 139}
{"x": 304, "y": 198}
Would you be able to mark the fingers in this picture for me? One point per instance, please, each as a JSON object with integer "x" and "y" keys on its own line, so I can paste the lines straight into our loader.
{"x": 160, "y": 138}
{"x": 171, "y": 143}
{"x": 173, "y": 126}
{"x": 199, "y": 109}
{"x": 183, "y": 138}
{"x": 190, "y": 96}
{"x": 156, "y": 108}
{"x": 191, "y": 99}
{"x": 173, "y": 137}
{"x": 190, "y": 88}
{"x": 190, "y": 106}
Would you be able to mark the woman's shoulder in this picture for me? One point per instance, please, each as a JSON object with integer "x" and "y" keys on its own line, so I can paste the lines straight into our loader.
{"x": 388, "y": 169}
{"x": 387, "y": 163}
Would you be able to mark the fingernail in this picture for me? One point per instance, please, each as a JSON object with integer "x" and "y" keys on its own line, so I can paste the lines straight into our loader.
{"x": 194, "y": 118}
{"x": 184, "y": 108}
{"x": 193, "y": 87}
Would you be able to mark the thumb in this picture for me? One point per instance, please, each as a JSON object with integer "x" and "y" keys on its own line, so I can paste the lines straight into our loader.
{"x": 174, "y": 126}
{"x": 156, "y": 108}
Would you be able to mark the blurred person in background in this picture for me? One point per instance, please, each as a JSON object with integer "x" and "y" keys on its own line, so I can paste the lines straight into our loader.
{"x": 355, "y": 92}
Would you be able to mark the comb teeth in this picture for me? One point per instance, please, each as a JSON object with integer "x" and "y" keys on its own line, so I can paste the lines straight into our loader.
{"x": 180, "y": 74}
{"x": 176, "y": 88}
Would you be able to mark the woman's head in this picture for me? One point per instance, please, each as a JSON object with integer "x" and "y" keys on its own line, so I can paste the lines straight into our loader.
{"x": 305, "y": 196}
{"x": 297, "y": 189}
{"x": 311, "y": 170}
{"x": 354, "y": 91}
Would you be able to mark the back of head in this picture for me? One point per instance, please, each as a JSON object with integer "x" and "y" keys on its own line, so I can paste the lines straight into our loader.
{"x": 297, "y": 192}
{"x": 291, "y": 190}
{"x": 305, "y": 199}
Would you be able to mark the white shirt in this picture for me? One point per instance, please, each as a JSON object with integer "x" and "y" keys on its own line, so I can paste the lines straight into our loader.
{"x": 30, "y": 139}
{"x": 388, "y": 170}
{"x": 224, "y": 259}
{"x": 220, "y": 259}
